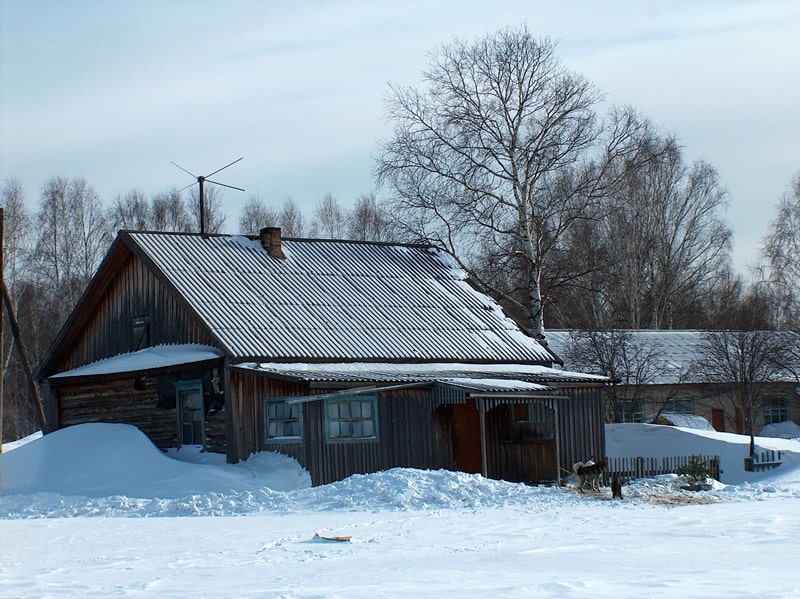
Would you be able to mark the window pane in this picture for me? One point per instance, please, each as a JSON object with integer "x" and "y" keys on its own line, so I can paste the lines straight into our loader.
{"x": 333, "y": 410}
{"x": 344, "y": 410}
{"x": 366, "y": 409}
{"x": 333, "y": 429}
{"x": 282, "y": 419}
{"x": 367, "y": 429}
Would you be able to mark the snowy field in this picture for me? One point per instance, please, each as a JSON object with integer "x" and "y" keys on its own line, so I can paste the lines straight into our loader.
{"x": 96, "y": 510}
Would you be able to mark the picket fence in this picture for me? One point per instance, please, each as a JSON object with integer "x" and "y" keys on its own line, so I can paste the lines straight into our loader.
{"x": 628, "y": 468}
{"x": 763, "y": 460}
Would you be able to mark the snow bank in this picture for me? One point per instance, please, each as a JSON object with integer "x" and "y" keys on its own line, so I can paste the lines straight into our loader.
{"x": 114, "y": 470}
{"x": 783, "y": 430}
{"x": 100, "y": 460}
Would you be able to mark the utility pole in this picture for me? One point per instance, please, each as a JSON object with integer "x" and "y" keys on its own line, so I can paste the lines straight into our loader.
{"x": 3, "y": 281}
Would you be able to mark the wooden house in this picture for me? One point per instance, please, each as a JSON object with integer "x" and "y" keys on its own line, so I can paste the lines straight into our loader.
{"x": 351, "y": 357}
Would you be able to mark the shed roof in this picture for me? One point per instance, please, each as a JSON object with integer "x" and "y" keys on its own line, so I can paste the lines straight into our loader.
{"x": 500, "y": 375}
{"x": 334, "y": 300}
{"x": 150, "y": 358}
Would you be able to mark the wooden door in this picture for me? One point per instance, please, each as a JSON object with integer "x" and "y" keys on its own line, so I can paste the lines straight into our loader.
{"x": 467, "y": 437}
{"x": 191, "y": 413}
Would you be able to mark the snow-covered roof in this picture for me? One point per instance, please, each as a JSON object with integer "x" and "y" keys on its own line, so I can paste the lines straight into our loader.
{"x": 334, "y": 300}
{"x": 673, "y": 356}
{"x": 360, "y": 372}
{"x": 161, "y": 356}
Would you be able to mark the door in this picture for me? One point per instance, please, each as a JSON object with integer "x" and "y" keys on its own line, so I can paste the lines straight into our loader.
{"x": 191, "y": 412}
{"x": 467, "y": 437}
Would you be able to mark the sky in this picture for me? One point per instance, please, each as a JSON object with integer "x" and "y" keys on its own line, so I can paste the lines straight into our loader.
{"x": 116, "y": 91}
{"x": 96, "y": 510}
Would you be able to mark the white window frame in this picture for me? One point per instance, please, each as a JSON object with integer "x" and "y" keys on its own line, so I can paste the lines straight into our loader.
{"x": 344, "y": 420}
{"x": 776, "y": 410}
{"x": 277, "y": 403}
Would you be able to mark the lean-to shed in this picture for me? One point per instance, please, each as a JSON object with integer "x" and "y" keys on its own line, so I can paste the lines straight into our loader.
{"x": 352, "y": 357}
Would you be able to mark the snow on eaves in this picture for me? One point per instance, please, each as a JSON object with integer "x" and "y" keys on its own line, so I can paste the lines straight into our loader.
{"x": 389, "y": 372}
{"x": 160, "y": 356}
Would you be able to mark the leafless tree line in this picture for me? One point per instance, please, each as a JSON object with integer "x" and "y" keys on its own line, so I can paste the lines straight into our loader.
{"x": 568, "y": 212}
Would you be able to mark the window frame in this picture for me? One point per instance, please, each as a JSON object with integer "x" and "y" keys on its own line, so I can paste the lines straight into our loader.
{"x": 282, "y": 401}
{"x": 776, "y": 406}
{"x": 349, "y": 400}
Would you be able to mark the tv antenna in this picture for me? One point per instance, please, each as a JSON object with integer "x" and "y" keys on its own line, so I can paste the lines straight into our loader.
{"x": 201, "y": 181}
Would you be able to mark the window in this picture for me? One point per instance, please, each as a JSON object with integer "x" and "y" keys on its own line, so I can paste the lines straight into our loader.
{"x": 631, "y": 411}
{"x": 533, "y": 421}
{"x": 351, "y": 419}
{"x": 775, "y": 411}
{"x": 283, "y": 420}
{"x": 679, "y": 406}
{"x": 140, "y": 337}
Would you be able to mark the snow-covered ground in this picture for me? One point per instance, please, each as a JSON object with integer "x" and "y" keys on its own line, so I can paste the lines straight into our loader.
{"x": 96, "y": 510}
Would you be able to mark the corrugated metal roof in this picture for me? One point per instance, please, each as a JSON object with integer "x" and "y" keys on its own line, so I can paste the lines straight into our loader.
{"x": 664, "y": 356}
{"x": 362, "y": 372}
{"x": 334, "y": 300}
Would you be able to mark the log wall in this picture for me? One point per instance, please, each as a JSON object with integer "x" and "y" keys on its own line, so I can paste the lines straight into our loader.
{"x": 119, "y": 402}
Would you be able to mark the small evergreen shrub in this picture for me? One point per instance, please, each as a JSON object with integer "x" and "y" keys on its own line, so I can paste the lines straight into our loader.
{"x": 696, "y": 472}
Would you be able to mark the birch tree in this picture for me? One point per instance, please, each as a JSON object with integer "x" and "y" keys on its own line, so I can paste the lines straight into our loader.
{"x": 330, "y": 219}
{"x": 500, "y": 147}
{"x": 368, "y": 220}
{"x": 256, "y": 215}
{"x": 781, "y": 251}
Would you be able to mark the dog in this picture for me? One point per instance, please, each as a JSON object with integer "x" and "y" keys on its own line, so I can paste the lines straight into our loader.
{"x": 589, "y": 472}
{"x": 616, "y": 487}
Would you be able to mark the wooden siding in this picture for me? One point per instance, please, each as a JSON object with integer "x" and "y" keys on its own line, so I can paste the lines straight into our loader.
{"x": 581, "y": 425}
{"x": 417, "y": 429}
{"x": 513, "y": 457}
{"x": 246, "y": 406}
{"x": 118, "y": 402}
{"x": 108, "y": 330}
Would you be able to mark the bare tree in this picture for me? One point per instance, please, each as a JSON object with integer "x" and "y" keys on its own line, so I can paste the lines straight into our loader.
{"x": 89, "y": 228}
{"x": 329, "y": 218}
{"x": 743, "y": 363}
{"x": 17, "y": 232}
{"x": 257, "y": 215}
{"x": 502, "y": 149}
{"x": 368, "y": 220}
{"x": 667, "y": 239}
{"x": 18, "y": 417}
{"x": 214, "y": 216}
{"x": 168, "y": 213}
{"x": 291, "y": 219}
{"x": 130, "y": 211}
{"x": 631, "y": 365}
{"x": 781, "y": 251}
{"x": 72, "y": 237}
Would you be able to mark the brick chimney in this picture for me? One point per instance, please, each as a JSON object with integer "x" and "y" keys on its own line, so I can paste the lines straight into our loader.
{"x": 271, "y": 241}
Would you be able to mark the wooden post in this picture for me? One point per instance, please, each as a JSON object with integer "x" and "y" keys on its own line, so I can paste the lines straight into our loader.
{"x": 23, "y": 354}
{"x": 484, "y": 455}
{"x": 3, "y": 279}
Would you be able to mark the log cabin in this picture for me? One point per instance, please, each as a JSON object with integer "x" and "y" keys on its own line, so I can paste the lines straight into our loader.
{"x": 351, "y": 357}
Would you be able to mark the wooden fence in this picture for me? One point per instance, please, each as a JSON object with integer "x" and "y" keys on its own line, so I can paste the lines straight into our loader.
{"x": 636, "y": 467}
{"x": 763, "y": 460}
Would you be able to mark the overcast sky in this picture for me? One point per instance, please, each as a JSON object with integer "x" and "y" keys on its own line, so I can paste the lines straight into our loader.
{"x": 114, "y": 91}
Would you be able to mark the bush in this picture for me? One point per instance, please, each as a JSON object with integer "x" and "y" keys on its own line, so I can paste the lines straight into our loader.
{"x": 697, "y": 473}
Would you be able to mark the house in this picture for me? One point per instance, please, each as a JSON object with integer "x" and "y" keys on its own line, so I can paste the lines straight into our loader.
{"x": 351, "y": 357}
{"x": 673, "y": 375}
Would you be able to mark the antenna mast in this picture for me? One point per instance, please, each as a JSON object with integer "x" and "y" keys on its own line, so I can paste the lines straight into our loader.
{"x": 201, "y": 181}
